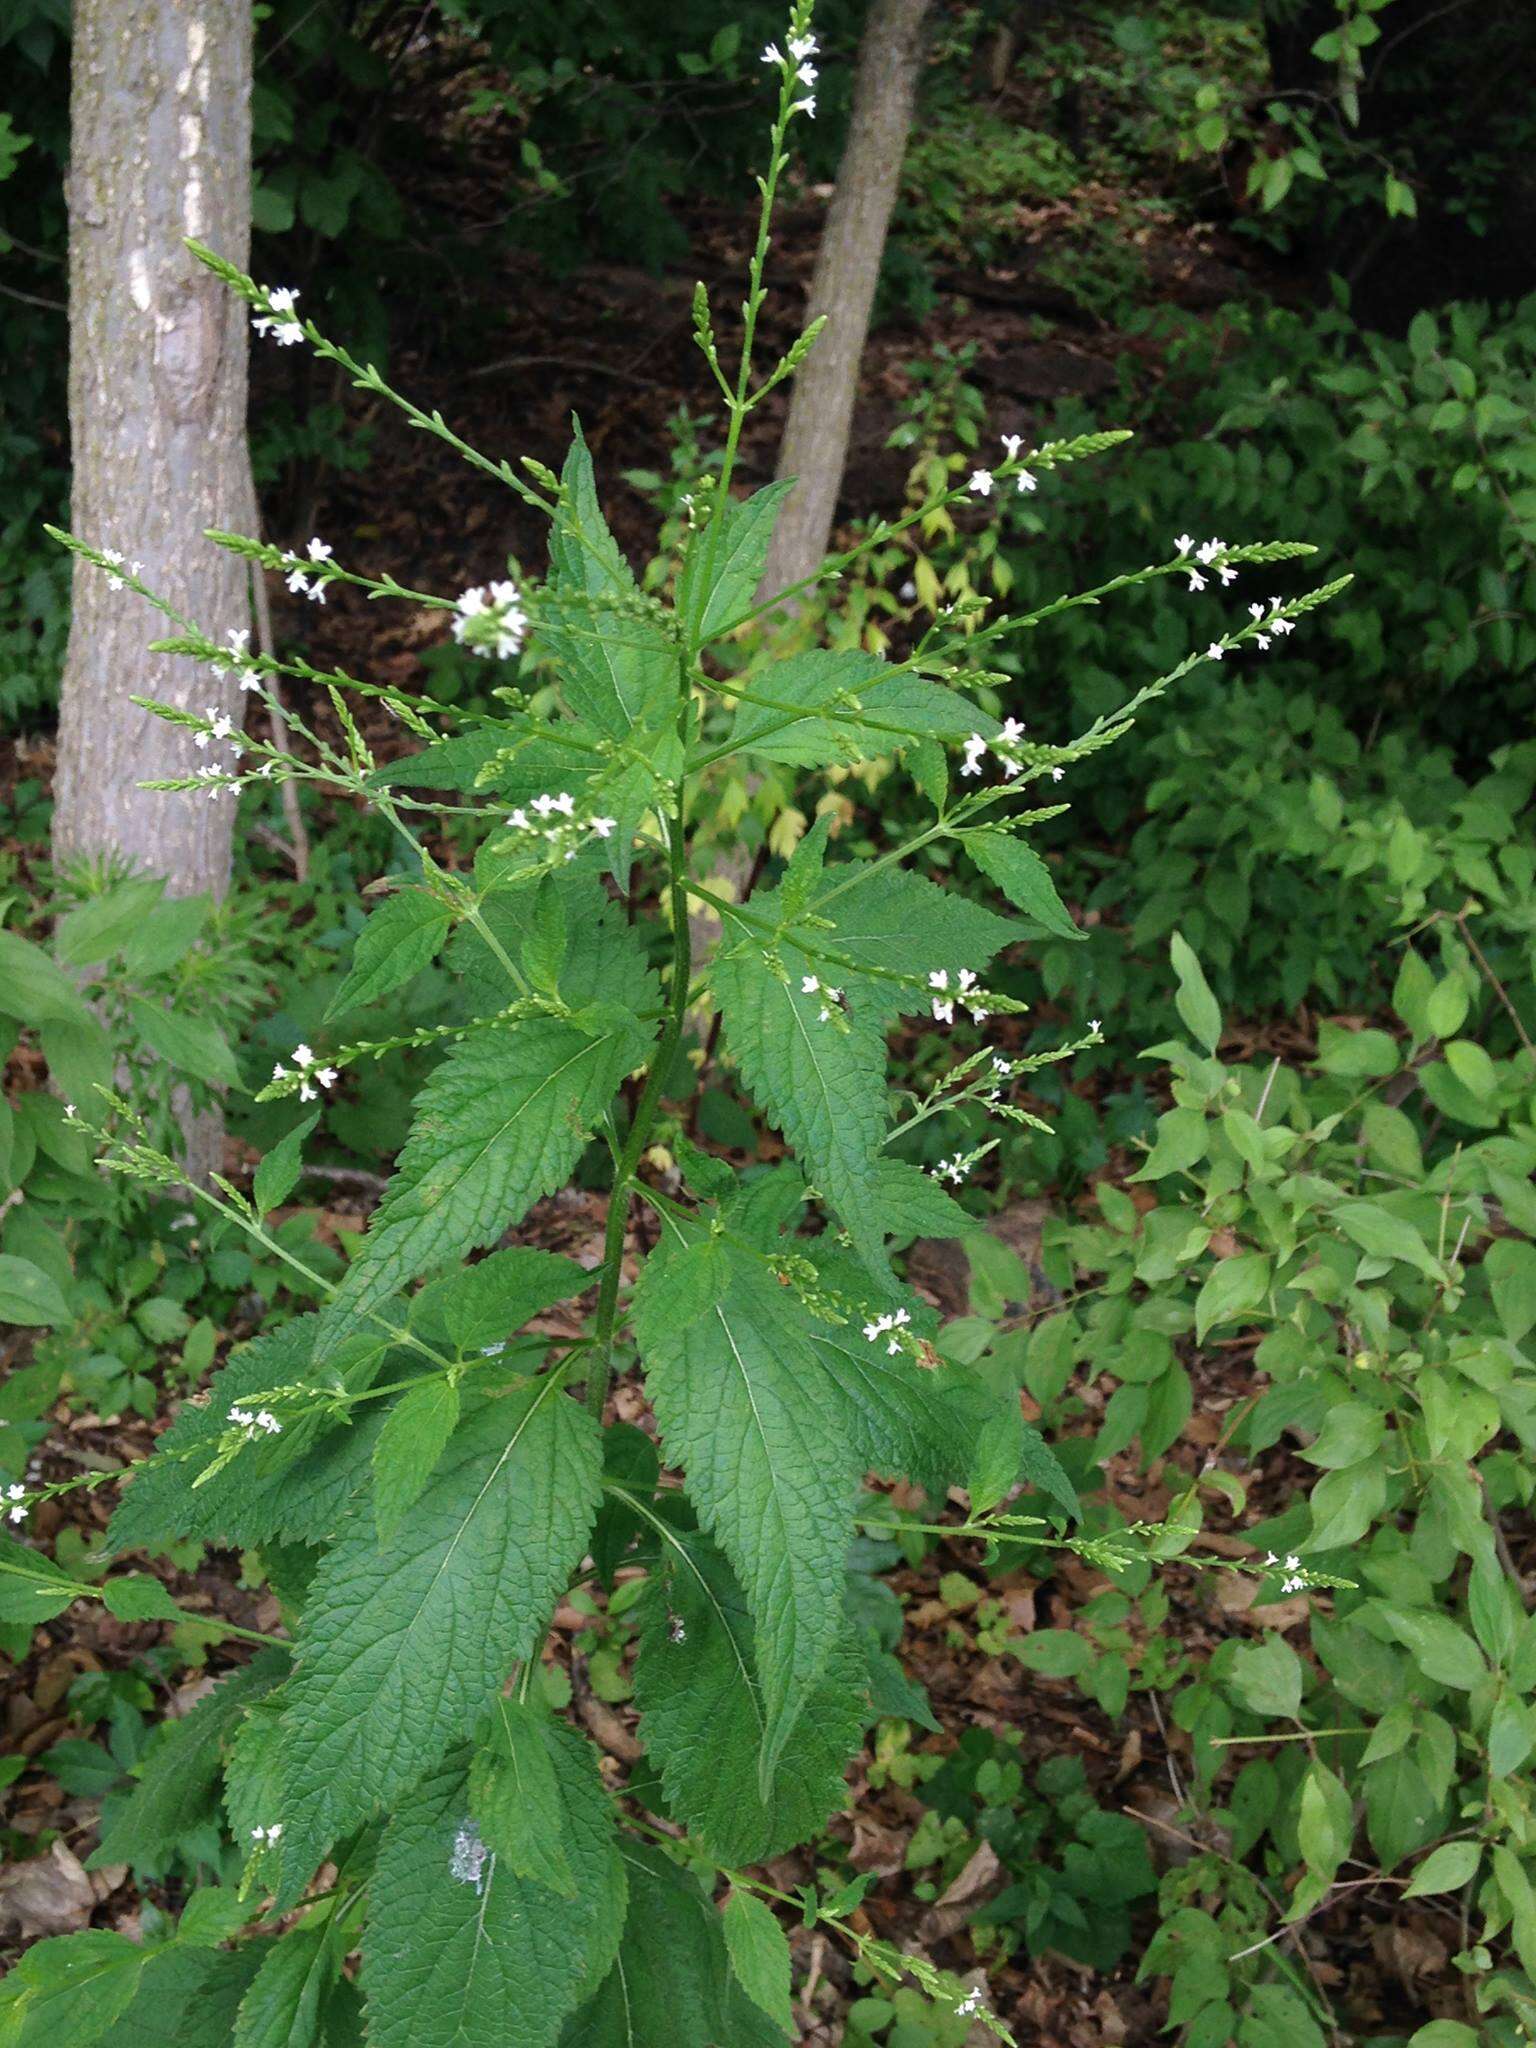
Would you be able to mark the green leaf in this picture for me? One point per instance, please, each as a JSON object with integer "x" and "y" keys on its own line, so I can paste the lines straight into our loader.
{"x": 485, "y": 1303}
{"x": 1054, "y": 1652}
{"x": 768, "y": 1463}
{"x": 189, "y": 1044}
{"x": 912, "y": 1203}
{"x": 32, "y": 1587}
{"x": 515, "y": 1798}
{"x": 179, "y": 1774}
{"x": 97, "y": 929}
{"x": 501, "y": 1122}
{"x": 1325, "y": 1824}
{"x": 1356, "y": 1055}
{"x": 1511, "y": 1270}
{"x": 1023, "y": 878}
{"x": 1384, "y": 1236}
{"x": 1441, "y": 1649}
{"x": 1266, "y": 1676}
{"x": 847, "y": 706}
{"x": 139, "y": 1598}
{"x": 286, "y": 2001}
{"x": 1445, "y": 1869}
{"x": 671, "y": 1986}
{"x": 278, "y": 1174}
{"x": 617, "y": 669}
{"x": 1235, "y": 1287}
{"x": 759, "y": 1955}
{"x": 32, "y": 988}
{"x": 739, "y": 550}
{"x": 1197, "y": 1007}
{"x": 458, "y": 1951}
{"x": 702, "y": 1718}
{"x": 824, "y": 1086}
{"x": 27, "y": 1295}
{"x": 80, "y": 1060}
{"x": 406, "y": 1451}
{"x": 405, "y": 1643}
{"x": 70, "y": 1989}
{"x": 190, "y": 1997}
{"x": 401, "y": 937}
{"x": 1183, "y": 1136}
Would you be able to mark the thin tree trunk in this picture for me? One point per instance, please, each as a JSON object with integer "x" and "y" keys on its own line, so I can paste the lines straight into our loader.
{"x": 160, "y": 149}
{"x": 160, "y": 120}
{"x": 815, "y": 444}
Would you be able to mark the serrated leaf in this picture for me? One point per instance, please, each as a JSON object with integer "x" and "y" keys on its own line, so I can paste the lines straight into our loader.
{"x": 278, "y": 1174}
{"x": 1023, "y": 878}
{"x": 177, "y": 1782}
{"x": 489, "y": 1301}
{"x": 139, "y": 1598}
{"x": 97, "y": 929}
{"x": 459, "y": 1952}
{"x": 191, "y": 1998}
{"x": 734, "y": 563}
{"x": 702, "y": 1719}
{"x": 285, "y": 2003}
{"x": 407, "y": 1448}
{"x": 744, "y": 1409}
{"x": 847, "y": 706}
{"x": 501, "y": 1122}
{"x": 71, "y": 1989}
{"x": 912, "y": 1204}
{"x": 759, "y": 1955}
{"x": 405, "y": 1643}
{"x": 401, "y": 937}
{"x": 291, "y": 1487}
{"x": 671, "y": 1986}
{"x": 32, "y": 1587}
{"x": 189, "y": 1044}
{"x": 515, "y": 1797}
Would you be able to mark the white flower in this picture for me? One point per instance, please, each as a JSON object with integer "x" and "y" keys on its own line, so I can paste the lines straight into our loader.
{"x": 1183, "y": 544}
{"x": 518, "y": 819}
{"x": 1208, "y": 550}
{"x": 298, "y": 583}
{"x": 809, "y": 984}
{"x": 807, "y": 74}
{"x": 801, "y": 47}
{"x": 965, "y": 979}
{"x": 1215, "y": 651}
{"x": 1012, "y": 443}
{"x": 1261, "y": 641}
{"x": 1255, "y": 611}
{"x": 1094, "y": 1025}
{"x": 1057, "y": 774}
{"x": 603, "y": 827}
{"x": 1196, "y": 580}
{"x": 279, "y": 320}
{"x": 326, "y": 1076}
{"x": 943, "y": 1013}
{"x": 980, "y": 482}
{"x": 1270, "y": 1559}
{"x": 302, "y": 1056}
{"x": 1012, "y": 732}
{"x": 806, "y": 107}
{"x": 975, "y": 750}
{"x": 271, "y": 1834}
{"x": 1227, "y": 573}
{"x": 1293, "y": 1563}
{"x": 952, "y": 1169}
{"x": 939, "y": 978}
{"x": 772, "y": 54}
{"x": 1293, "y": 1585}
{"x": 1026, "y": 481}
{"x": 501, "y": 606}
{"x": 16, "y": 1498}
{"x": 112, "y": 555}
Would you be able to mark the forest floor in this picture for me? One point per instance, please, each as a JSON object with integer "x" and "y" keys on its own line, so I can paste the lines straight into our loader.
{"x": 614, "y": 345}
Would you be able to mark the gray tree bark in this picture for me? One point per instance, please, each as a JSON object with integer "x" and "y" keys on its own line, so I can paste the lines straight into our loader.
{"x": 160, "y": 114}
{"x": 815, "y": 444}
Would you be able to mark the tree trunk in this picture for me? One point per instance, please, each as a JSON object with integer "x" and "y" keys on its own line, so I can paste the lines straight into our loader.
{"x": 815, "y": 444}
{"x": 160, "y": 115}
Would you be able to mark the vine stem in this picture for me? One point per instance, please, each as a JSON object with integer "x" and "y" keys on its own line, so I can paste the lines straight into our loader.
{"x": 650, "y": 1098}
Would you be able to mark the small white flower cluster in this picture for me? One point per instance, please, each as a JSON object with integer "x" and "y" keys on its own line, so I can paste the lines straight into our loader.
{"x": 1291, "y": 1566}
{"x": 1003, "y": 746}
{"x": 306, "y": 573}
{"x": 309, "y": 1073}
{"x": 831, "y": 998}
{"x": 238, "y": 659}
{"x": 885, "y": 1326}
{"x": 562, "y": 805}
{"x": 955, "y": 1169}
{"x": 16, "y": 1499}
{"x": 944, "y": 1001}
{"x": 972, "y": 2003}
{"x": 262, "y": 1836}
{"x": 489, "y": 620}
{"x": 218, "y": 728}
{"x": 983, "y": 482}
{"x": 262, "y": 1423}
{"x": 1205, "y": 554}
{"x": 801, "y": 50}
{"x": 1003, "y": 1070}
{"x": 114, "y": 558}
{"x": 280, "y": 320}
{"x": 1272, "y": 624}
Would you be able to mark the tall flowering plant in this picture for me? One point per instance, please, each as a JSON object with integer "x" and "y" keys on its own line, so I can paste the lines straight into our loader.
{"x": 424, "y": 1474}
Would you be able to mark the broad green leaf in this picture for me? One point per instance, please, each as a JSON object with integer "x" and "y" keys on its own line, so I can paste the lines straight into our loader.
{"x": 80, "y": 1060}
{"x": 407, "y": 1448}
{"x": 189, "y": 1044}
{"x": 139, "y": 1597}
{"x": 32, "y": 988}
{"x": 401, "y": 937}
{"x": 32, "y": 1587}
{"x": 1445, "y": 1869}
{"x": 97, "y": 929}
{"x": 759, "y": 1955}
{"x": 190, "y": 1997}
{"x": 1197, "y": 1007}
{"x": 501, "y": 1122}
{"x": 1266, "y": 1677}
{"x": 1511, "y": 1270}
{"x": 1236, "y": 1287}
{"x": 616, "y": 667}
{"x": 1356, "y": 1055}
{"x": 821, "y": 707}
{"x": 1402, "y": 1812}
{"x": 291, "y": 1487}
{"x": 515, "y": 1797}
{"x": 1054, "y": 1652}
{"x": 770, "y": 1465}
{"x": 458, "y": 1952}
{"x": 405, "y": 1643}
{"x": 912, "y": 1203}
{"x": 732, "y": 560}
{"x": 285, "y": 2005}
{"x": 71, "y": 1989}
{"x": 702, "y": 1716}
{"x": 1023, "y": 878}
{"x": 1384, "y": 1236}
{"x": 27, "y": 1295}
{"x": 167, "y": 934}
{"x": 823, "y": 1085}
{"x": 671, "y": 1985}
{"x": 482, "y": 1304}
{"x": 1441, "y": 1649}
{"x": 1183, "y": 1137}
{"x": 178, "y": 1777}
{"x": 278, "y": 1174}
{"x": 1325, "y": 1824}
